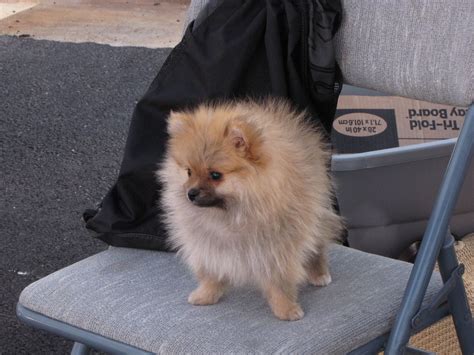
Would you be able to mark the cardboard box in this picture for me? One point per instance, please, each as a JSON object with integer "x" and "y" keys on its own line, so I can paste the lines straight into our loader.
{"x": 367, "y": 123}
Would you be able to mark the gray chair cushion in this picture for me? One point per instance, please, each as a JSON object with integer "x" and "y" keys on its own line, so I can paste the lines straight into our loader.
{"x": 139, "y": 297}
{"x": 421, "y": 49}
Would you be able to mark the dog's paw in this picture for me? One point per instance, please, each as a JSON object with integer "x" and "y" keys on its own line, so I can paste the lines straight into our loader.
{"x": 202, "y": 297}
{"x": 320, "y": 280}
{"x": 290, "y": 312}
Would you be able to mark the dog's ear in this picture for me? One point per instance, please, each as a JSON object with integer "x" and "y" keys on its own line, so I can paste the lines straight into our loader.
{"x": 177, "y": 121}
{"x": 238, "y": 138}
{"x": 245, "y": 138}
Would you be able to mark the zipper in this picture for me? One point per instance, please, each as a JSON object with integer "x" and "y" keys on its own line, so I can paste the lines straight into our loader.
{"x": 304, "y": 44}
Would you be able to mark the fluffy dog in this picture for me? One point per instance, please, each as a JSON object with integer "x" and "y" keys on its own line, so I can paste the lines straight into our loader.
{"x": 248, "y": 200}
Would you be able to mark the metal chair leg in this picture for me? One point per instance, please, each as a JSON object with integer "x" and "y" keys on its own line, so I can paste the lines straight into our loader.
{"x": 80, "y": 349}
{"x": 434, "y": 236}
{"x": 457, "y": 299}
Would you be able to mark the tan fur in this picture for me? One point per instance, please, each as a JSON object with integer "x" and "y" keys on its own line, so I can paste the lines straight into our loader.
{"x": 277, "y": 216}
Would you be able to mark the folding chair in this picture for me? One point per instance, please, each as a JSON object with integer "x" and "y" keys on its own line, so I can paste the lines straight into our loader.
{"x": 134, "y": 301}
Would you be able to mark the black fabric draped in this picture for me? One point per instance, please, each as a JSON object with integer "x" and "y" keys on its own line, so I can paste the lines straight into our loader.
{"x": 240, "y": 49}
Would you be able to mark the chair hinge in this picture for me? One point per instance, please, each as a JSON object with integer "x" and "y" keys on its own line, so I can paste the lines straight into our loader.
{"x": 425, "y": 314}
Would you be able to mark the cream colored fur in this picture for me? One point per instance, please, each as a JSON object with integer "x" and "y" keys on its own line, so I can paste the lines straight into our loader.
{"x": 278, "y": 217}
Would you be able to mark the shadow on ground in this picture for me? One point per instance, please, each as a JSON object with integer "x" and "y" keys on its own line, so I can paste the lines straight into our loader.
{"x": 65, "y": 110}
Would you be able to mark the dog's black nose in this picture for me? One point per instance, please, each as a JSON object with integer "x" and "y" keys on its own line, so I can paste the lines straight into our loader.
{"x": 192, "y": 194}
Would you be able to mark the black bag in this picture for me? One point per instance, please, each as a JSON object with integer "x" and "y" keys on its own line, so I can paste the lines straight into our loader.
{"x": 241, "y": 49}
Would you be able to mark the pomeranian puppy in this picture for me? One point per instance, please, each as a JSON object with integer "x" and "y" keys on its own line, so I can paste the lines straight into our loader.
{"x": 248, "y": 200}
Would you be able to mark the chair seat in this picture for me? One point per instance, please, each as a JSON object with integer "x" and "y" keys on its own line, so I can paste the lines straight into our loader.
{"x": 139, "y": 298}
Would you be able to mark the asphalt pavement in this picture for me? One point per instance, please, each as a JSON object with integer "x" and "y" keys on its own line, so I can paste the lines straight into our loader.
{"x": 64, "y": 111}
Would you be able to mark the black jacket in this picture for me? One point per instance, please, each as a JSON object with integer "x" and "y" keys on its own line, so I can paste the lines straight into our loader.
{"x": 252, "y": 48}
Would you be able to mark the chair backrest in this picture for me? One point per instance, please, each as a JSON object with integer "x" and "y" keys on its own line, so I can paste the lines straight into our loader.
{"x": 422, "y": 49}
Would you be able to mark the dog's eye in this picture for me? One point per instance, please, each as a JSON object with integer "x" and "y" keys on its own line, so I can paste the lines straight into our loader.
{"x": 189, "y": 172}
{"x": 215, "y": 175}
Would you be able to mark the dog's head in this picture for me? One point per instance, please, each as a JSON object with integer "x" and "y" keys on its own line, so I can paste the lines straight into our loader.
{"x": 217, "y": 150}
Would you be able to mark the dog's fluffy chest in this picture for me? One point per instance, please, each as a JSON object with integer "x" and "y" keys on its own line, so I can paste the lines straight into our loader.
{"x": 233, "y": 255}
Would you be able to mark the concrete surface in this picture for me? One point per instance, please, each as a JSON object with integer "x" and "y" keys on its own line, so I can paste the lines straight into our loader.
{"x": 10, "y": 9}
{"x": 64, "y": 119}
{"x": 142, "y": 23}
{"x": 97, "y": 2}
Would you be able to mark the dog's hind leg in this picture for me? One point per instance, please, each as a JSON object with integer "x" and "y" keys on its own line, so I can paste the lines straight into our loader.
{"x": 317, "y": 270}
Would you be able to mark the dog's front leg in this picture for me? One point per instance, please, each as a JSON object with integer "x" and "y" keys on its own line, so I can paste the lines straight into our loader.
{"x": 209, "y": 291}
